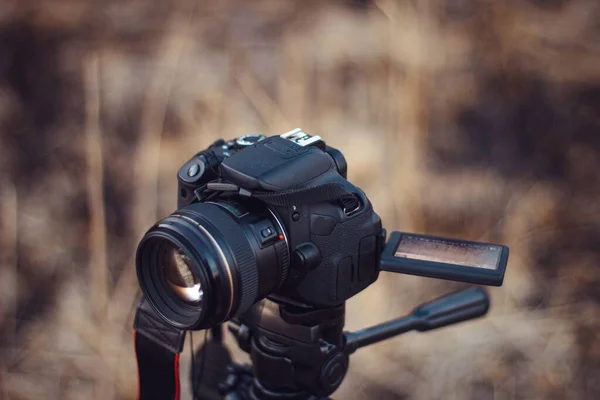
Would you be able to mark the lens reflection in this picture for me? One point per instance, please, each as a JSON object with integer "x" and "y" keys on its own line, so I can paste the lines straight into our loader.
{"x": 178, "y": 274}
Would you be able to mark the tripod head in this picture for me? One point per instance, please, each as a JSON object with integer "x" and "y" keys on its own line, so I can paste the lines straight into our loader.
{"x": 300, "y": 354}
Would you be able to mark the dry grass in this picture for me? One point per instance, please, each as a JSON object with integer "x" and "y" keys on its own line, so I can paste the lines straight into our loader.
{"x": 474, "y": 119}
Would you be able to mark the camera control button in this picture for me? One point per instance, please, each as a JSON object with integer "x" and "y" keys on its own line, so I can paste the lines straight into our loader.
{"x": 264, "y": 232}
{"x": 248, "y": 140}
{"x": 306, "y": 255}
{"x": 268, "y": 231}
{"x": 193, "y": 170}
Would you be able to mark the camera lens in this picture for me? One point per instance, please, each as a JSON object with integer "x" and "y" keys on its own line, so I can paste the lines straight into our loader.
{"x": 209, "y": 262}
{"x": 177, "y": 272}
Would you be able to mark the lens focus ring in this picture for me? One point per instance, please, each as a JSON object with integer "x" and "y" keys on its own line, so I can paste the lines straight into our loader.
{"x": 238, "y": 243}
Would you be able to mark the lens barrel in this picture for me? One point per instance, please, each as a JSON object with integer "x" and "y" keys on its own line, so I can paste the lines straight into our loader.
{"x": 209, "y": 262}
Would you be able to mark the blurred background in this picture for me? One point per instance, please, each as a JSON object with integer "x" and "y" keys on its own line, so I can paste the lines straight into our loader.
{"x": 468, "y": 118}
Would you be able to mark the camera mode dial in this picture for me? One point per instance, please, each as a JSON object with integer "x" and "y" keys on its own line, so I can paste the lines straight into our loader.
{"x": 247, "y": 140}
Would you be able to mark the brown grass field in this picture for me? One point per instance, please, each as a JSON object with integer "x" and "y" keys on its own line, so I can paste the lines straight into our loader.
{"x": 469, "y": 118}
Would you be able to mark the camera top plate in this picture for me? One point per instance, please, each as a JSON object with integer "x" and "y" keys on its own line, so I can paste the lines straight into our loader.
{"x": 275, "y": 164}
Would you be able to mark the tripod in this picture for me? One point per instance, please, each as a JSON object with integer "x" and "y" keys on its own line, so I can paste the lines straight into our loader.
{"x": 303, "y": 354}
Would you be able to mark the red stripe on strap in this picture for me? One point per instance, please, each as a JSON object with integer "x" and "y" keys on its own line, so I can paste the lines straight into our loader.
{"x": 176, "y": 376}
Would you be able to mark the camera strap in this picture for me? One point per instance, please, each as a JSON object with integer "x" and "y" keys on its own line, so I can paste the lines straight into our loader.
{"x": 287, "y": 198}
{"x": 157, "y": 348}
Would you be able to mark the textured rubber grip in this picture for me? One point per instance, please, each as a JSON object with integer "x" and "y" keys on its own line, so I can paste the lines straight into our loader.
{"x": 283, "y": 256}
{"x": 233, "y": 234}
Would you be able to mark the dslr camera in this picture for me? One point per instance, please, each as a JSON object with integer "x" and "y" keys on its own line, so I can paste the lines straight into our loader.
{"x": 272, "y": 223}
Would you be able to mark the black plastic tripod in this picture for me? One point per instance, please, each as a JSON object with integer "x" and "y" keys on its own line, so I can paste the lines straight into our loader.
{"x": 299, "y": 353}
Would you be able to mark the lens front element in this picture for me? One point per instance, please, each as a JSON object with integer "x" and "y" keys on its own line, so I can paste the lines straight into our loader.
{"x": 178, "y": 275}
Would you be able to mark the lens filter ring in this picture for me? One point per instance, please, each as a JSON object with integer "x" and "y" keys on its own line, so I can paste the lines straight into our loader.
{"x": 237, "y": 242}
{"x": 152, "y": 261}
{"x": 222, "y": 258}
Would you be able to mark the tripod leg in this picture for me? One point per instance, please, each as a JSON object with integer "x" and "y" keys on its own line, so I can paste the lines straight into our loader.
{"x": 217, "y": 333}
{"x": 210, "y": 369}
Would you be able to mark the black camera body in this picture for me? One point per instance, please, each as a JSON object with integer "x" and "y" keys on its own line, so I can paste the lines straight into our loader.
{"x": 334, "y": 246}
{"x": 276, "y": 217}
{"x": 271, "y": 236}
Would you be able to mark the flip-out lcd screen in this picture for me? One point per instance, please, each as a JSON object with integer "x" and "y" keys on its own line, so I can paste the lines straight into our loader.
{"x": 445, "y": 258}
{"x": 449, "y": 251}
